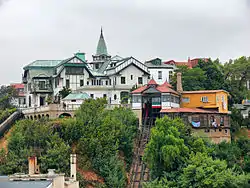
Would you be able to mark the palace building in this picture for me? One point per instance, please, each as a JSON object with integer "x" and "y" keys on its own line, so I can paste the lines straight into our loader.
{"x": 105, "y": 76}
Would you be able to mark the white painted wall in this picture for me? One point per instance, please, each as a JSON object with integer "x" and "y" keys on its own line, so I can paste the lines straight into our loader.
{"x": 165, "y": 74}
{"x": 131, "y": 70}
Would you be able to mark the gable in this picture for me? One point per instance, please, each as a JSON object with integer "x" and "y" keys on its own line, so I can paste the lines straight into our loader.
{"x": 134, "y": 62}
{"x": 151, "y": 90}
{"x": 75, "y": 60}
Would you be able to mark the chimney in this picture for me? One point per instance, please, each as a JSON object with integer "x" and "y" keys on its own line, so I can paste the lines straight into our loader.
{"x": 73, "y": 166}
{"x": 179, "y": 82}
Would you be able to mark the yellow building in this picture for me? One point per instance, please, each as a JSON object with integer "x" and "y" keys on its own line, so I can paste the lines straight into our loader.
{"x": 216, "y": 100}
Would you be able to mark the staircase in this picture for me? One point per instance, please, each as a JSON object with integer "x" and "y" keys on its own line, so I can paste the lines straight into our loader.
{"x": 139, "y": 172}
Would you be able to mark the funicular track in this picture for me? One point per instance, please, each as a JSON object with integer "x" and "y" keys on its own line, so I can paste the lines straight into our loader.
{"x": 139, "y": 172}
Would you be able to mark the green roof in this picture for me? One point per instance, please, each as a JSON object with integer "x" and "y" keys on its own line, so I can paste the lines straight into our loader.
{"x": 75, "y": 96}
{"x": 43, "y": 63}
{"x": 101, "y": 47}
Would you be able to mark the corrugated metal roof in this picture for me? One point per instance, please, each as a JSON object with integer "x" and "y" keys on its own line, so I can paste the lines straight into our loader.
{"x": 44, "y": 63}
{"x": 5, "y": 183}
{"x": 76, "y": 96}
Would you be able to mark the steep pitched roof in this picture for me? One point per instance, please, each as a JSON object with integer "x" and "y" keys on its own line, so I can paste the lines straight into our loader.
{"x": 164, "y": 88}
{"x": 152, "y": 82}
{"x": 101, "y": 47}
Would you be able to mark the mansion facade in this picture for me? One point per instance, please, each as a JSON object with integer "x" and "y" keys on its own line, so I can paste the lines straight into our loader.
{"x": 107, "y": 76}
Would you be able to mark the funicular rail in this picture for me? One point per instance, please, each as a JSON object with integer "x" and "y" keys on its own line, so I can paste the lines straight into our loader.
{"x": 139, "y": 171}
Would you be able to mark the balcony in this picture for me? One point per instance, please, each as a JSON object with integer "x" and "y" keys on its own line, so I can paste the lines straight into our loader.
{"x": 37, "y": 89}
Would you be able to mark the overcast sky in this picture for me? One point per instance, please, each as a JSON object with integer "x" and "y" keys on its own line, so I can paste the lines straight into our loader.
{"x": 145, "y": 29}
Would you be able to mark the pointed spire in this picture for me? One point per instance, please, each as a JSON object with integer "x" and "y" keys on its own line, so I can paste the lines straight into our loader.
{"x": 101, "y": 47}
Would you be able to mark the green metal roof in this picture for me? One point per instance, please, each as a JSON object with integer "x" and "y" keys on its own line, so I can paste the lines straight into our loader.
{"x": 43, "y": 63}
{"x": 75, "y": 96}
{"x": 101, "y": 47}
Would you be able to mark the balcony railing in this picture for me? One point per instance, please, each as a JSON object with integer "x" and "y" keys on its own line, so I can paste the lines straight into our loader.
{"x": 37, "y": 89}
{"x": 67, "y": 108}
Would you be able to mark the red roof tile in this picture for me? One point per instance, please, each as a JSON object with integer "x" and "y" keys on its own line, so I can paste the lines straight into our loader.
{"x": 166, "y": 84}
{"x": 17, "y": 86}
{"x": 186, "y": 110}
{"x": 140, "y": 89}
{"x": 152, "y": 82}
{"x": 164, "y": 89}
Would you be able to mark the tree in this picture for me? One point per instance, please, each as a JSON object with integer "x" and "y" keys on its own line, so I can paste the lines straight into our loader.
{"x": 203, "y": 171}
{"x": 166, "y": 151}
{"x": 7, "y": 94}
{"x": 65, "y": 92}
{"x": 56, "y": 155}
{"x": 192, "y": 79}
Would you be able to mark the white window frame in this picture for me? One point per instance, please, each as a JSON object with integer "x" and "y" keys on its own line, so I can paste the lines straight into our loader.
{"x": 204, "y": 99}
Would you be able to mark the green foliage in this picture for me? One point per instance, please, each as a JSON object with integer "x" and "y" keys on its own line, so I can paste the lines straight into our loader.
{"x": 37, "y": 138}
{"x": 203, "y": 171}
{"x": 7, "y": 93}
{"x": 65, "y": 92}
{"x": 166, "y": 151}
{"x": 4, "y": 114}
{"x": 177, "y": 159}
{"x": 105, "y": 135}
{"x": 212, "y": 75}
{"x": 56, "y": 155}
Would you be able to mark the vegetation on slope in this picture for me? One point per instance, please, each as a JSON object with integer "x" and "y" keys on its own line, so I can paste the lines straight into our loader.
{"x": 103, "y": 140}
{"x": 177, "y": 159}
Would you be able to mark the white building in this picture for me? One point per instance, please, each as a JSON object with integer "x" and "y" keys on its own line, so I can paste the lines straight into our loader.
{"x": 160, "y": 71}
{"x": 105, "y": 76}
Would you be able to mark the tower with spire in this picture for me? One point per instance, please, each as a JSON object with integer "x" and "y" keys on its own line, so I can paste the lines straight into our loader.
{"x": 101, "y": 53}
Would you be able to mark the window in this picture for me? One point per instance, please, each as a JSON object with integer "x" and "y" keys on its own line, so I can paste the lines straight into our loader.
{"x": 104, "y": 95}
{"x": 170, "y": 75}
{"x": 115, "y": 97}
{"x": 131, "y": 77}
{"x": 204, "y": 99}
{"x": 81, "y": 82}
{"x": 29, "y": 86}
{"x": 136, "y": 99}
{"x": 166, "y": 98}
{"x": 87, "y": 82}
{"x": 176, "y": 100}
{"x": 92, "y": 96}
{"x": 74, "y": 70}
{"x": 123, "y": 80}
{"x": 97, "y": 66}
{"x": 222, "y": 121}
{"x": 73, "y": 100}
{"x": 107, "y": 82}
{"x": 185, "y": 100}
{"x": 42, "y": 85}
{"x": 159, "y": 75}
{"x": 140, "y": 80}
{"x": 67, "y": 83}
